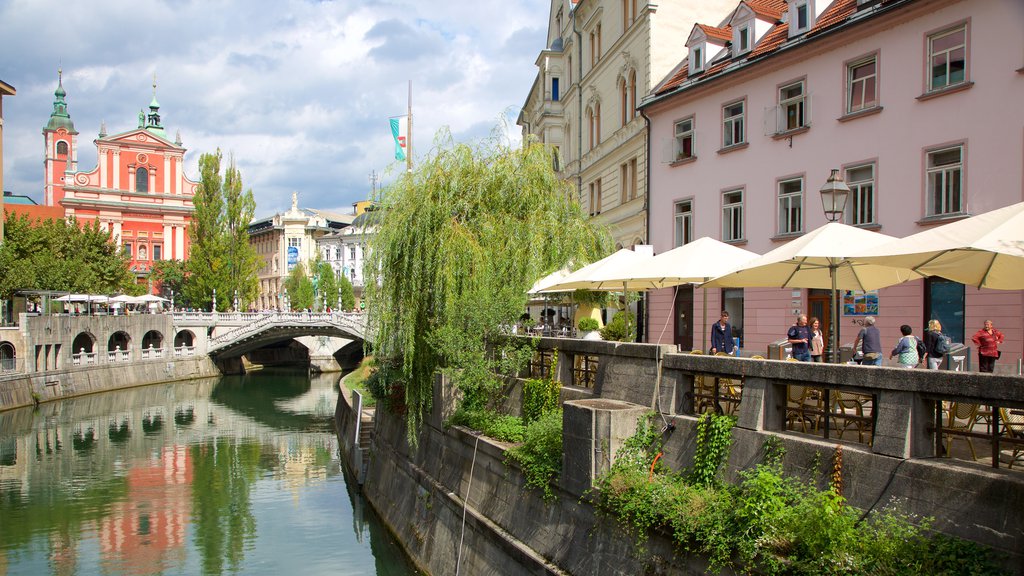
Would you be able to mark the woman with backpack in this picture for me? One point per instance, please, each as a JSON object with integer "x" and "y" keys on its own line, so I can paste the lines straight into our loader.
{"x": 906, "y": 350}
{"x": 936, "y": 344}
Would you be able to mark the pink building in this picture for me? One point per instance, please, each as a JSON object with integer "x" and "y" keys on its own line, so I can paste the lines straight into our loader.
{"x": 915, "y": 101}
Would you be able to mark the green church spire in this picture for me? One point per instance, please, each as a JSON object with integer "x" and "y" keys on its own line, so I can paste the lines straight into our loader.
{"x": 60, "y": 117}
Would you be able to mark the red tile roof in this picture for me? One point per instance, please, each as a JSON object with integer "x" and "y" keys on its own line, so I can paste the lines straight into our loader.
{"x": 768, "y": 9}
{"x": 835, "y": 15}
{"x": 723, "y": 34}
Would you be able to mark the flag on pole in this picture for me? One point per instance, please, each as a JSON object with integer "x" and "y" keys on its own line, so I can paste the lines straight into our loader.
{"x": 400, "y": 131}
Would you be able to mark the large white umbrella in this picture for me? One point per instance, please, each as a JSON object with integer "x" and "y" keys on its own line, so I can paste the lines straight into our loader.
{"x": 823, "y": 258}
{"x": 691, "y": 263}
{"x": 605, "y": 274}
{"x": 986, "y": 251}
{"x": 147, "y": 298}
{"x": 548, "y": 281}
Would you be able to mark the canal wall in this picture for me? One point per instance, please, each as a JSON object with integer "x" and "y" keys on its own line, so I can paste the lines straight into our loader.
{"x": 456, "y": 505}
{"x": 27, "y": 389}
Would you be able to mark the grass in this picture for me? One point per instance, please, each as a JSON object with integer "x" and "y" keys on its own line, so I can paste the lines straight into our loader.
{"x": 356, "y": 380}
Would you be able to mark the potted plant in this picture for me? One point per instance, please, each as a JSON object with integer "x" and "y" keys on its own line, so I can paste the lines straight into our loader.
{"x": 588, "y": 328}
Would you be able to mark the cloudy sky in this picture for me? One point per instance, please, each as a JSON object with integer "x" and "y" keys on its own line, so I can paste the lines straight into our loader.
{"x": 300, "y": 91}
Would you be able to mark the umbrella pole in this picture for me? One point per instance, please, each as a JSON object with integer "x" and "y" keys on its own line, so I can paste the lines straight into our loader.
{"x": 833, "y": 324}
{"x": 704, "y": 333}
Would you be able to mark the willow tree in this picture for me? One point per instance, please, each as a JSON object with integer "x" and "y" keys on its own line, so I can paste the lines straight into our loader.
{"x": 459, "y": 243}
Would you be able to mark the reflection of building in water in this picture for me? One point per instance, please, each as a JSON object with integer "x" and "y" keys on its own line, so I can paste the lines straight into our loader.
{"x": 305, "y": 460}
{"x": 145, "y": 532}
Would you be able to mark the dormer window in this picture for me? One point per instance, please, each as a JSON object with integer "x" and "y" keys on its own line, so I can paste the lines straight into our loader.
{"x": 743, "y": 39}
{"x": 802, "y": 19}
{"x": 697, "y": 59}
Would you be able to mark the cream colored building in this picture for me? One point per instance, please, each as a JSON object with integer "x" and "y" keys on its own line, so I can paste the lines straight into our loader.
{"x": 602, "y": 57}
{"x": 5, "y": 90}
{"x": 285, "y": 240}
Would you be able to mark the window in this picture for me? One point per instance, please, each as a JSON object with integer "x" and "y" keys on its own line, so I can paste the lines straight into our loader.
{"x": 684, "y": 222}
{"x": 945, "y": 301}
{"x": 733, "y": 124}
{"x": 352, "y": 252}
{"x": 595, "y": 45}
{"x": 590, "y": 128}
{"x": 628, "y": 177}
{"x": 295, "y": 242}
{"x": 744, "y": 39}
{"x": 127, "y": 248}
{"x": 142, "y": 180}
{"x": 947, "y": 58}
{"x": 158, "y": 252}
{"x": 697, "y": 59}
{"x": 862, "y": 85}
{"x": 861, "y": 204}
{"x": 632, "y": 94}
{"x": 792, "y": 107}
{"x": 595, "y": 197}
{"x": 62, "y": 148}
{"x": 684, "y": 139}
{"x": 554, "y": 89}
{"x": 945, "y": 181}
{"x": 732, "y": 216}
{"x": 628, "y": 14}
{"x": 624, "y": 95}
{"x": 801, "y": 17}
{"x": 732, "y": 302}
{"x": 791, "y": 206}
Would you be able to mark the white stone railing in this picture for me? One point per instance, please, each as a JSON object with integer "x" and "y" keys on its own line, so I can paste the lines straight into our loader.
{"x": 152, "y": 353}
{"x": 183, "y": 351}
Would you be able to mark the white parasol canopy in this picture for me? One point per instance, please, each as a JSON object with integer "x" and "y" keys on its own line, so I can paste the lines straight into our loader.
{"x": 986, "y": 251}
{"x": 605, "y": 274}
{"x": 695, "y": 262}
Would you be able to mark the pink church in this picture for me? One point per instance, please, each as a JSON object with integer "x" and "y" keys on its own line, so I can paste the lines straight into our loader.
{"x": 916, "y": 102}
{"x": 138, "y": 191}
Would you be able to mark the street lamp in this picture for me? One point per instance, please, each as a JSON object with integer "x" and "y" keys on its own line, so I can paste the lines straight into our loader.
{"x": 172, "y": 299}
{"x": 834, "y": 195}
{"x": 213, "y": 301}
{"x": 236, "y": 300}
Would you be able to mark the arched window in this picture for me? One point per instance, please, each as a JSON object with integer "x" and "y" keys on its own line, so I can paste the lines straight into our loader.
{"x": 62, "y": 148}
{"x": 624, "y": 97}
{"x": 142, "y": 180}
{"x": 590, "y": 128}
{"x": 597, "y": 123}
{"x": 632, "y": 94}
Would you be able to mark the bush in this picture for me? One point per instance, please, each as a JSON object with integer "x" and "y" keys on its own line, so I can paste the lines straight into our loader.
{"x": 622, "y": 328}
{"x": 540, "y": 455}
{"x": 498, "y": 426}
{"x": 587, "y": 324}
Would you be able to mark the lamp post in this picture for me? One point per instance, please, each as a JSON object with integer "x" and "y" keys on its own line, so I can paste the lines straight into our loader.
{"x": 172, "y": 299}
{"x": 834, "y": 195}
{"x": 213, "y": 301}
{"x": 236, "y": 300}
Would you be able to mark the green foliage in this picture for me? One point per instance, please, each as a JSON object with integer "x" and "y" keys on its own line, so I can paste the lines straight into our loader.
{"x": 326, "y": 284}
{"x": 622, "y": 328}
{"x": 771, "y": 524}
{"x": 640, "y": 449}
{"x": 61, "y": 255}
{"x": 221, "y": 258}
{"x": 714, "y": 441}
{"x": 540, "y": 454}
{"x": 498, "y": 426}
{"x": 299, "y": 287}
{"x": 595, "y": 298}
{"x": 587, "y": 324}
{"x": 347, "y": 293}
{"x": 457, "y": 245}
{"x": 170, "y": 277}
{"x": 541, "y": 396}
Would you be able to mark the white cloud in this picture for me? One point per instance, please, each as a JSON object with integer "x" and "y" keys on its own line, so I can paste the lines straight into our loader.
{"x": 298, "y": 91}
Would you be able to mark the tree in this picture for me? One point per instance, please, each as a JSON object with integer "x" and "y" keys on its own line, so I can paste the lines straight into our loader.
{"x": 170, "y": 276}
{"x": 459, "y": 243}
{"x": 61, "y": 255}
{"x": 221, "y": 258}
{"x": 346, "y": 293}
{"x": 327, "y": 284}
{"x": 299, "y": 287}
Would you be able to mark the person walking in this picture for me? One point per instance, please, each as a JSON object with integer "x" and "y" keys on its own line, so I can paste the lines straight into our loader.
{"x": 799, "y": 336}
{"x": 905, "y": 351}
{"x": 987, "y": 340}
{"x": 869, "y": 339}
{"x": 936, "y": 344}
{"x": 817, "y": 341}
{"x": 721, "y": 335}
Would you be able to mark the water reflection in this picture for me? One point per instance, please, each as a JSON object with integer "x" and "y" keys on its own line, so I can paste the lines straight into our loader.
{"x": 237, "y": 475}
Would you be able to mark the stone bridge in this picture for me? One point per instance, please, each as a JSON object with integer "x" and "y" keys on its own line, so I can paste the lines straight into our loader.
{"x": 262, "y": 329}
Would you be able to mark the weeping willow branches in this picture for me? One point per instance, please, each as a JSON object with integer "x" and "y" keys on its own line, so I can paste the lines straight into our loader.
{"x": 458, "y": 244}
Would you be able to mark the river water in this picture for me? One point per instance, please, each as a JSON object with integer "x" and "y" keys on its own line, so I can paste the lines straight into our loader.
{"x": 237, "y": 475}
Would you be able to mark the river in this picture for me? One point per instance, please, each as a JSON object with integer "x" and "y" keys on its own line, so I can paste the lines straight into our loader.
{"x": 237, "y": 475}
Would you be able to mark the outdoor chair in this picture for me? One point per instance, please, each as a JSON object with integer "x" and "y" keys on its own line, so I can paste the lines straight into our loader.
{"x": 803, "y": 406}
{"x": 1013, "y": 427}
{"x": 849, "y": 409}
{"x": 961, "y": 417}
{"x": 730, "y": 390}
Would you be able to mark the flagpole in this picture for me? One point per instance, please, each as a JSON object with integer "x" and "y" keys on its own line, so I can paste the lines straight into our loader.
{"x": 408, "y": 135}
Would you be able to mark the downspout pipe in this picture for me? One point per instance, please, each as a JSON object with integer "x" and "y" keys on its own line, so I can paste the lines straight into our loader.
{"x": 579, "y": 106}
{"x": 647, "y": 216}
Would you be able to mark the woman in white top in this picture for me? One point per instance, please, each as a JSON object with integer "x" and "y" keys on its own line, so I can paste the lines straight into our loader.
{"x": 817, "y": 342}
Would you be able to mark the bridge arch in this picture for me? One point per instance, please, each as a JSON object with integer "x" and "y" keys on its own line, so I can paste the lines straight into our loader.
{"x": 152, "y": 339}
{"x": 119, "y": 340}
{"x": 184, "y": 338}
{"x": 8, "y": 357}
{"x": 84, "y": 342}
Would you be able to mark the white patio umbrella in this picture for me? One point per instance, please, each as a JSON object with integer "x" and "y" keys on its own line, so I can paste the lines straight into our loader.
{"x": 986, "y": 251}
{"x": 605, "y": 274}
{"x": 147, "y": 298}
{"x": 548, "y": 281}
{"x": 823, "y": 258}
{"x": 692, "y": 263}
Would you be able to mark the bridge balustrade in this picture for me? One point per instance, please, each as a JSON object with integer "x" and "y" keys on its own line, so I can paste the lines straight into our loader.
{"x": 184, "y": 351}
{"x": 152, "y": 353}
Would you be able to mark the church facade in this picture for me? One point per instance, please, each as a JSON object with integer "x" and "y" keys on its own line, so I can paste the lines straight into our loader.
{"x": 138, "y": 191}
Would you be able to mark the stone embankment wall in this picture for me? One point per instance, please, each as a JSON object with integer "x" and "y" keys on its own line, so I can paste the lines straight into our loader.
{"x": 457, "y": 507}
{"x": 26, "y": 389}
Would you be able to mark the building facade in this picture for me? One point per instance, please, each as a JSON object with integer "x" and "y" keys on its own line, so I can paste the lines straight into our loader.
{"x": 601, "y": 57}
{"x": 138, "y": 191}
{"x": 285, "y": 240}
{"x": 907, "y": 98}
{"x": 5, "y": 90}
{"x": 346, "y": 249}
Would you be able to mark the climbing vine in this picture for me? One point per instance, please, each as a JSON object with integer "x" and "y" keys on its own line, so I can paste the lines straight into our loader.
{"x": 541, "y": 395}
{"x": 457, "y": 245}
{"x": 714, "y": 441}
